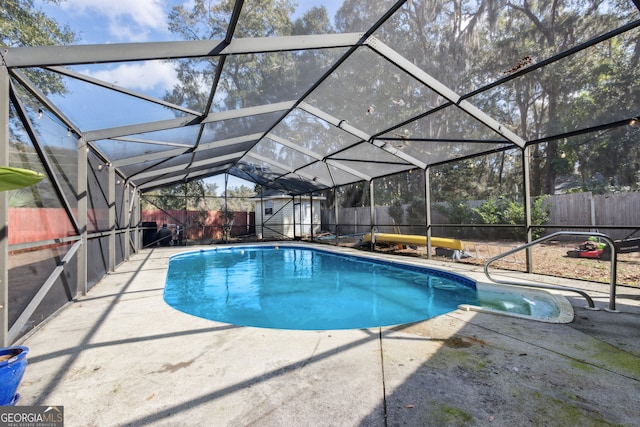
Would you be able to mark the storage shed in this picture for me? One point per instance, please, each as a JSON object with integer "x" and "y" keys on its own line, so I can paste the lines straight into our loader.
{"x": 281, "y": 216}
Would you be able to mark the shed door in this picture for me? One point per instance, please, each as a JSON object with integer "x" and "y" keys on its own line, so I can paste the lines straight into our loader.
{"x": 302, "y": 218}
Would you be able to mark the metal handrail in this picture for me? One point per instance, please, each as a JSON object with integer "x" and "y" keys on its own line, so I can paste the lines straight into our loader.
{"x": 612, "y": 289}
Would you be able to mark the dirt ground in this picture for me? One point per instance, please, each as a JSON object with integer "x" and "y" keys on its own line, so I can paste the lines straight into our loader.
{"x": 548, "y": 258}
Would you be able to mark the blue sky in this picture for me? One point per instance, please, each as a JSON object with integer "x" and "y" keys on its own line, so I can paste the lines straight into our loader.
{"x": 132, "y": 21}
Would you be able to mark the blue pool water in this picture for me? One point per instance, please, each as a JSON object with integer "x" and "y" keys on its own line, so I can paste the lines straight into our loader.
{"x": 301, "y": 288}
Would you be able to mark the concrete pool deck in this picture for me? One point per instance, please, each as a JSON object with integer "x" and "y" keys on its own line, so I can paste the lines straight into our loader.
{"x": 121, "y": 356}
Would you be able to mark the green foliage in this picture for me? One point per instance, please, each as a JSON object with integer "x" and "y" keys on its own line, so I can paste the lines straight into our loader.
{"x": 502, "y": 211}
{"x": 21, "y": 198}
{"x": 238, "y": 199}
{"x": 201, "y": 196}
{"x": 21, "y": 24}
{"x": 498, "y": 211}
{"x": 490, "y": 212}
{"x": 247, "y": 80}
{"x": 457, "y": 212}
{"x": 185, "y": 196}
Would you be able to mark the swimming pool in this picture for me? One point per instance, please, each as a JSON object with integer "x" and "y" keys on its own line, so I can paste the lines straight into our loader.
{"x": 294, "y": 287}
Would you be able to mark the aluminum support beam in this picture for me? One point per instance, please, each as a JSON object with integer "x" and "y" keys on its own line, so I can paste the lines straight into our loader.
{"x": 127, "y": 220}
{"x": 85, "y": 78}
{"x": 442, "y": 90}
{"x": 228, "y": 158}
{"x": 179, "y": 151}
{"x": 182, "y": 177}
{"x": 427, "y": 207}
{"x": 4, "y": 210}
{"x": 335, "y": 210}
{"x": 134, "y": 217}
{"x": 526, "y": 178}
{"x": 44, "y": 100}
{"x": 115, "y": 132}
{"x": 123, "y": 131}
{"x": 293, "y": 146}
{"x": 149, "y": 157}
{"x": 341, "y": 124}
{"x": 307, "y": 152}
{"x": 314, "y": 111}
{"x": 43, "y": 157}
{"x": 111, "y": 203}
{"x": 82, "y": 196}
{"x": 372, "y": 215}
{"x": 26, "y": 314}
{"x": 336, "y": 164}
{"x": 249, "y": 111}
{"x": 127, "y": 52}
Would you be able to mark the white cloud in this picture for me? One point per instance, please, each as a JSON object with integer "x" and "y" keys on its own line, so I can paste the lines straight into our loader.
{"x": 144, "y": 76}
{"x": 125, "y": 19}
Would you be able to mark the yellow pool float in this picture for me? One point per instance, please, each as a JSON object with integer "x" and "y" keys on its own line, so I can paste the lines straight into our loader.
{"x": 413, "y": 239}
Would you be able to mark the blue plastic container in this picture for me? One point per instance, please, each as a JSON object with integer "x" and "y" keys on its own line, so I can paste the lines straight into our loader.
{"x": 11, "y": 371}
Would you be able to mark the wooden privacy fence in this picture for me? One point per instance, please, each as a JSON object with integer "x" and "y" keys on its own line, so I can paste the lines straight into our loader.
{"x": 203, "y": 224}
{"x": 565, "y": 210}
{"x": 39, "y": 224}
{"x": 595, "y": 210}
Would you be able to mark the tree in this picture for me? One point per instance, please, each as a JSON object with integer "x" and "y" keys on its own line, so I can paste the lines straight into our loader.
{"x": 183, "y": 196}
{"x": 21, "y": 24}
{"x": 257, "y": 79}
{"x": 238, "y": 199}
{"x": 564, "y": 96}
{"x": 469, "y": 44}
{"x": 244, "y": 76}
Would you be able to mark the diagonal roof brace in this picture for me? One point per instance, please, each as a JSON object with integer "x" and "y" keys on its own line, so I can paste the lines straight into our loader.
{"x": 159, "y": 155}
{"x": 127, "y": 130}
{"x": 83, "y": 77}
{"x": 294, "y": 146}
{"x": 342, "y": 124}
{"x": 217, "y": 170}
{"x": 336, "y": 164}
{"x": 442, "y": 90}
{"x": 317, "y": 179}
{"x": 399, "y": 153}
{"x": 360, "y": 134}
{"x": 317, "y": 156}
{"x": 229, "y": 158}
{"x": 249, "y": 111}
{"x": 287, "y": 168}
{"x": 178, "y": 151}
{"x": 269, "y": 161}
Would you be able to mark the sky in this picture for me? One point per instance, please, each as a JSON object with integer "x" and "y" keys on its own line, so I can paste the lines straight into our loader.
{"x": 132, "y": 21}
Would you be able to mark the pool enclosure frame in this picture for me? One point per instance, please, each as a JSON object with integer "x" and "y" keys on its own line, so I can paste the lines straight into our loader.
{"x": 364, "y": 156}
